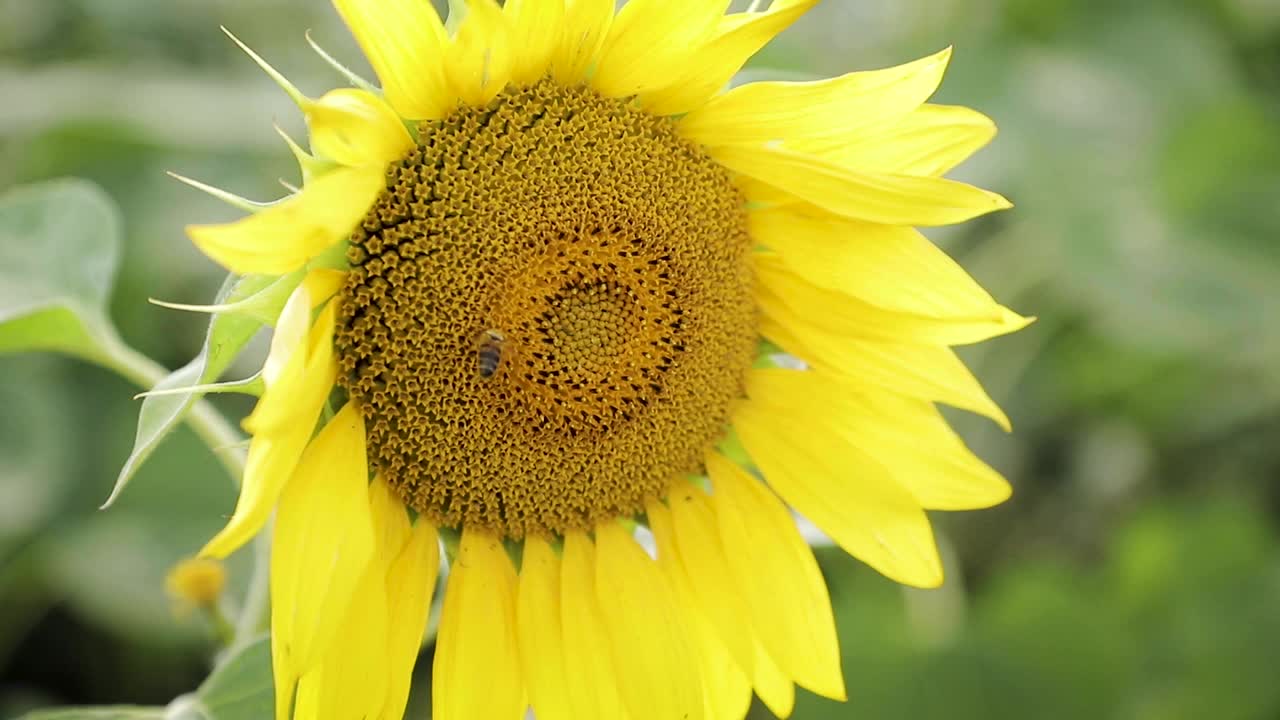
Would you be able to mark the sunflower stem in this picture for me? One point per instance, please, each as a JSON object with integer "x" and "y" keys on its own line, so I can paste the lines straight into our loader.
{"x": 221, "y": 625}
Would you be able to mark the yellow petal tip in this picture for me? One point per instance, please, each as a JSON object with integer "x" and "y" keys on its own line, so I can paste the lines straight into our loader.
{"x": 1014, "y": 320}
{"x": 1006, "y": 492}
{"x": 943, "y": 56}
{"x": 198, "y": 234}
{"x": 917, "y": 564}
{"x": 925, "y": 581}
{"x": 999, "y": 417}
{"x": 217, "y": 548}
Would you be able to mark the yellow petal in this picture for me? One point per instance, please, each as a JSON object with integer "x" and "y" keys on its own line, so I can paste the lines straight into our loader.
{"x": 726, "y": 687}
{"x": 351, "y": 682}
{"x": 927, "y": 372}
{"x": 538, "y": 629}
{"x": 290, "y": 335}
{"x": 294, "y": 332}
{"x": 283, "y": 237}
{"x": 773, "y": 686}
{"x": 657, "y": 669}
{"x": 535, "y": 36}
{"x": 586, "y": 23}
{"x": 793, "y": 435}
{"x": 873, "y": 197}
{"x": 310, "y": 381}
{"x": 390, "y": 520}
{"x": 479, "y": 60}
{"x": 783, "y": 294}
{"x": 714, "y": 64}
{"x": 281, "y": 423}
{"x": 324, "y": 542}
{"x": 889, "y": 266}
{"x": 411, "y": 580}
{"x": 356, "y": 128}
{"x": 477, "y": 670}
{"x": 928, "y": 142}
{"x": 352, "y": 678}
{"x": 293, "y": 325}
{"x": 909, "y": 437}
{"x": 652, "y": 39}
{"x": 774, "y": 568}
{"x": 303, "y": 705}
{"x": 588, "y": 659}
{"x": 757, "y": 113}
{"x": 404, "y": 42}
{"x": 702, "y": 556}
{"x": 322, "y": 284}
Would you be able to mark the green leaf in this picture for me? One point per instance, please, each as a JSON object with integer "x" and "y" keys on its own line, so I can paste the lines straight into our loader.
{"x": 240, "y": 688}
{"x": 228, "y": 333}
{"x": 59, "y": 247}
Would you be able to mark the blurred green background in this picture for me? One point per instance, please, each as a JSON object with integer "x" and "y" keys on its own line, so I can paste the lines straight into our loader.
{"x": 1135, "y": 573}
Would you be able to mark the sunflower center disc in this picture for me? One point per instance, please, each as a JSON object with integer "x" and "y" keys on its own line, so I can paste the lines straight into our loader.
{"x": 549, "y": 312}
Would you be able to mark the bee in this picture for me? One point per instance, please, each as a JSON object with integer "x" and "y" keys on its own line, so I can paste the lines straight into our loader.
{"x": 489, "y": 347}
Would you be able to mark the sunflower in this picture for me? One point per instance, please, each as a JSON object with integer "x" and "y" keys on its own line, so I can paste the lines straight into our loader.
{"x": 544, "y": 276}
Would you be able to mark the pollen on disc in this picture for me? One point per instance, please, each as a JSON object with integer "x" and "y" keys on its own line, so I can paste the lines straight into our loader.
{"x": 549, "y": 314}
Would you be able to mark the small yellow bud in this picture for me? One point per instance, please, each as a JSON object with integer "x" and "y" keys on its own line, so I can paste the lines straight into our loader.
{"x": 196, "y": 582}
